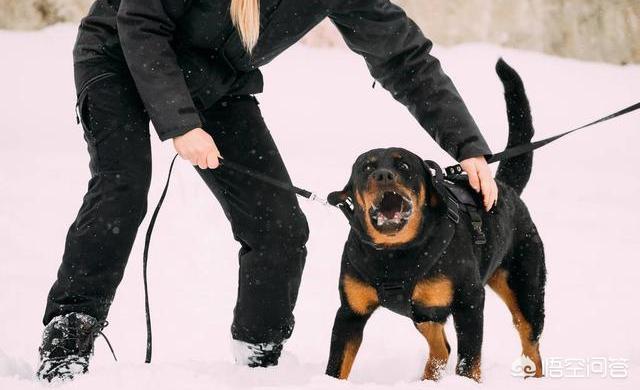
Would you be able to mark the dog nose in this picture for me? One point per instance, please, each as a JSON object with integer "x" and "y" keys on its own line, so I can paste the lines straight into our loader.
{"x": 384, "y": 176}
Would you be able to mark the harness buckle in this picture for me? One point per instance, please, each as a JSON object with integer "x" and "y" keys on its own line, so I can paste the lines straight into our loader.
{"x": 476, "y": 223}
{"x": 479, "y": 237}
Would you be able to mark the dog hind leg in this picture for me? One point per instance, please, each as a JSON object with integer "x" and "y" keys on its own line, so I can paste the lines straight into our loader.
{"x": 521, "y": 286}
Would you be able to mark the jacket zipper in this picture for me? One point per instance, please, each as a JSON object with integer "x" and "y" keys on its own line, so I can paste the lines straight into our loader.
{"x": 86, "y": 85}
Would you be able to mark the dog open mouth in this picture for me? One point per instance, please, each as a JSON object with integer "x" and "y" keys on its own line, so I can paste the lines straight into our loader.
{"x": 390, "y": 212}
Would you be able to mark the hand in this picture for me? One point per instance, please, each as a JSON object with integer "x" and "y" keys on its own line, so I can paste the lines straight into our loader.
{"x": 481, "y": 179}
{"x": 198, "y": 147}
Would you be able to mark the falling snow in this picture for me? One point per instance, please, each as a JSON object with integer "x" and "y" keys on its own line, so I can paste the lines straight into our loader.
{"x": 323, "y": 113}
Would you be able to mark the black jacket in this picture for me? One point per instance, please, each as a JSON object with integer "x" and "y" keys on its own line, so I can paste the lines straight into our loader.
{"x": 185, "y": 54}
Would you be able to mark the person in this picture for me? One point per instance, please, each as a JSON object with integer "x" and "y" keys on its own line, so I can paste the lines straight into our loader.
{"x": 191, "y": 67}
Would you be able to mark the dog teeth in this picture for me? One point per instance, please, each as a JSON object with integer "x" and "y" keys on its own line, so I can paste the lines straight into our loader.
{"x": 398, "y": 217}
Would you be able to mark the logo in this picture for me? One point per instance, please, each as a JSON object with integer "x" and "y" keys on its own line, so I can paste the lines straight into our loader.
{"x": 523, "y": 367}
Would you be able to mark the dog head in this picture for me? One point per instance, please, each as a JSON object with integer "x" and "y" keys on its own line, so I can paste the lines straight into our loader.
{"x": 390, "y": 190}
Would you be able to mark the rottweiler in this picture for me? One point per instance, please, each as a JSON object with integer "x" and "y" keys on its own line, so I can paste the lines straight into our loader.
{"x": 415, "y": 250}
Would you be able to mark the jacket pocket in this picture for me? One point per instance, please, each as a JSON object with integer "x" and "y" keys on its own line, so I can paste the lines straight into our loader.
{"x": 83, "y": 112}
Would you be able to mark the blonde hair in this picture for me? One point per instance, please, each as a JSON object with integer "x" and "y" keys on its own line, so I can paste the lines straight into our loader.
{"x": 245, "y": 15}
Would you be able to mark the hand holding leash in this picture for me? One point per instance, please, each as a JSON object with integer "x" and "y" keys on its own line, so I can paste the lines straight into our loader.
{"x": 198, "y": 147}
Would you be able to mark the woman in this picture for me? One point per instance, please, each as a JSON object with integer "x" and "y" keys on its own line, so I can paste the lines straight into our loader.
{"x": 191, "y": 67}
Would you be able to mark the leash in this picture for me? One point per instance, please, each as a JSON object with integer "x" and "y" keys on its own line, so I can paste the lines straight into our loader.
{"x": 345, "y": 206}
{"x": 145, "y": 254}
{"x": 531, "y": 146}
{"x": 276, "y": 183}
{"x": 145, "y": 260}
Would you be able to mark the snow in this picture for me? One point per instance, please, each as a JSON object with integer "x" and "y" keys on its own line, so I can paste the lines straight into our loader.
{"x": 323, "y": 113}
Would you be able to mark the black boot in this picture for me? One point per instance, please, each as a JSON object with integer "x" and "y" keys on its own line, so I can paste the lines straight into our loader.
{"x": 67, "y": 346}
{"x": 256, "y": 355}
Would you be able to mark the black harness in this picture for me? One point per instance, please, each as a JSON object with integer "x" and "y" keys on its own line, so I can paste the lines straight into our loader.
{"x": 393, "y": 272}
{"x": 454, "y": 190}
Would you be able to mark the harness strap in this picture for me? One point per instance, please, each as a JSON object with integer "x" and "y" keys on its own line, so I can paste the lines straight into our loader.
{"x": 531, "y": 146}
{"x": 453, "y": 208}
{"x": 393, "y": 295}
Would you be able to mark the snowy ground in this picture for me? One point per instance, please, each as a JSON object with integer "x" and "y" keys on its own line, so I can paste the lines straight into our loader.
{"x": 323, "y": 113}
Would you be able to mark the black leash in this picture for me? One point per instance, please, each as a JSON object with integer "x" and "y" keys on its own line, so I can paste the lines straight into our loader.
{"x": 276, "y": 183}
{"x": 343, "y": 206}
{"x": 531, "y": 146}
{"x": 145, "y": 255}
{"x": 145, "y": 260}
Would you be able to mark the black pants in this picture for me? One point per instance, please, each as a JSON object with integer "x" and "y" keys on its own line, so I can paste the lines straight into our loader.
{"x": 267, "y": 222}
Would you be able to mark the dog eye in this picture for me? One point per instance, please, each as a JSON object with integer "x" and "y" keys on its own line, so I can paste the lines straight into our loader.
{"x": 368, "y": 168}
{"x": 403, "y": 166}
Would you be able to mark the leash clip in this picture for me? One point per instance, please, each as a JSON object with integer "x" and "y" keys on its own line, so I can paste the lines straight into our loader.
{"x": 319, "y": 199}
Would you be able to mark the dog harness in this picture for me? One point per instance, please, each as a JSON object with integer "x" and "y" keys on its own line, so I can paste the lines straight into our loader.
{"x": 393, "y": 272}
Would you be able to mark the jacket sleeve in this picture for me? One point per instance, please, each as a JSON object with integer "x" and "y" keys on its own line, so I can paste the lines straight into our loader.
{"x": 146, "y": 29}
{"x": 397, "y": 54}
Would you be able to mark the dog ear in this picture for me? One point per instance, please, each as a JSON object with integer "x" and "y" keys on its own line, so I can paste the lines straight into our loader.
{"x": 343, "y": 200}
{"x": 338, "y": 198}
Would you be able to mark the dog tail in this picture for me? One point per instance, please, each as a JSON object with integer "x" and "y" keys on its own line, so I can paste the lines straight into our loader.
{"x": 515, "y": 172}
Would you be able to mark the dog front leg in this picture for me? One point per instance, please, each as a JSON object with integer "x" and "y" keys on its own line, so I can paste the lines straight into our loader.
{"x": 438, "y": 348}
{"x": 468, "y": 319}
{"x": 345, "y": 341}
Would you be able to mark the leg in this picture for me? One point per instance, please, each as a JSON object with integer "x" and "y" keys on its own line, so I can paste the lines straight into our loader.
{"x": 100, "y": 240}
{"x": 266, "y": 221}
{"x": 346, "y": 338}
{"x": 359, "y": 301}
{"x": 438, "y": 348}
{"x": 521, "y": 287}
{"x": 468, "y": 319}
{"x": 431, "y": 305}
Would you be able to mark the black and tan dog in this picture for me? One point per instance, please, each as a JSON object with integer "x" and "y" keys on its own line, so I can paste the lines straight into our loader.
{"x": 415, "y": 250}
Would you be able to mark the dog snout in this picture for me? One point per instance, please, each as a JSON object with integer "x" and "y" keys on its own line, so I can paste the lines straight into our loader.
{"x": 384, "y": 176}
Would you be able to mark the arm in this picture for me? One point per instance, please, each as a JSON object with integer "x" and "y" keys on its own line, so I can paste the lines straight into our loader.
{"x": 146, "y": 30}
{"x": 397, "y": 54}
